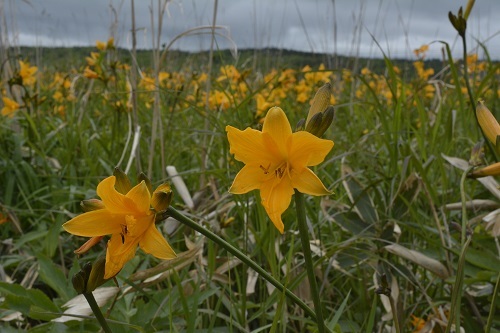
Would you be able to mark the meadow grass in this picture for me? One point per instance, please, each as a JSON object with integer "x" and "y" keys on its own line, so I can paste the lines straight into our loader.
{"x": 391, "y": 231}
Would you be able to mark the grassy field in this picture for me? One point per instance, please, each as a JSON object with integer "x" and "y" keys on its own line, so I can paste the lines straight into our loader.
{"x": 405, "y": 243}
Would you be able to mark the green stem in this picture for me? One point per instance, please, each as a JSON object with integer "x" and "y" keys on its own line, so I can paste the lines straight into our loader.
{"x": 493, "y": 305}
{"x": 466, "y": 76}
{"x": 472, "y": 100}
{"x": 456, "y": 296}
{"x": 240, "y": 255}
{"x": 306, "y": 249}
{"x": 97, "y": 311}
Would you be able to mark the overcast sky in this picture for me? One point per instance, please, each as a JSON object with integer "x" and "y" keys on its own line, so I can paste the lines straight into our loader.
{"x": 341, "y": 26}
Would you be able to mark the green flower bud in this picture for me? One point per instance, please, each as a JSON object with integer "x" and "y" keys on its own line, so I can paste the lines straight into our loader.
{"x": 300, "y": 125}
{"x": 459, "y": 22}
{"x": 162, "y": 197}
{"x": 78, "y": 281}
{"x": 320, "y": 122}
{"x": 320, "y": 101}
{"x": 96, "y": 276}
{"x": 314, "y": 123}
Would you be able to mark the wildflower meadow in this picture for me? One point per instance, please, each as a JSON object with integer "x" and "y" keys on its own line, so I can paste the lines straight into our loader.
{"x": 228, "y": 195}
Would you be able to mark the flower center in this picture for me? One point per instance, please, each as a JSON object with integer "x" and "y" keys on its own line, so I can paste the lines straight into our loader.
{"x": 279, "y": 171}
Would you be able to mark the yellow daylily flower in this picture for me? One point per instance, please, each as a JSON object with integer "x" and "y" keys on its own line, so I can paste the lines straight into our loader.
{"x": 100, "y": 45}
{"x": 276, "y": 162}
{"x": 27, "y": 73}
{"x": 130, "y": 221}
{"x": 10, "y": 106}
{"x": 90, "y": 74}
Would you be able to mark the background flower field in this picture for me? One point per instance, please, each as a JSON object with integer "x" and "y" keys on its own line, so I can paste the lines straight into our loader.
{"x": 402, "y": 129}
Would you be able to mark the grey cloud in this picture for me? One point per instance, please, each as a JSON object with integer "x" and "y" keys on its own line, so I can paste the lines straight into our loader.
{"x": 305, "y": 25}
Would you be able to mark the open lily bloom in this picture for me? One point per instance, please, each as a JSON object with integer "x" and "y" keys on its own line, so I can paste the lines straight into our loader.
{"x": 130, "y": 221}
{"x": 276, "y": 162}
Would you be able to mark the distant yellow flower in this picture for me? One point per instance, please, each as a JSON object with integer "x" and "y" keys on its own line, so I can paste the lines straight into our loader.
{"x": 129, "y": 219}
{"x": 420, "y": 52}
{"x": 262, "y": 104}
{"x": 148, "y": 83}
{"x": 276, "y": 162}
{"x": 100, "y": 45}
{"x": 58, "y": 96}
{"x": 90, "y": 74}
{"x": 111, "y": 43}
{"x": 9, "y": 107}
{"x": 92, "y": 60}
{"x": 27, "y": 72}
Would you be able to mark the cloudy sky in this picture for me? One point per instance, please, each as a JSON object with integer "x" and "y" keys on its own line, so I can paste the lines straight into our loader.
{"x": 342, "y": 26}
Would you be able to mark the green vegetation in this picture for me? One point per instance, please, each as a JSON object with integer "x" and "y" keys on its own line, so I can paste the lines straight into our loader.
{"x": 404, "y": 223}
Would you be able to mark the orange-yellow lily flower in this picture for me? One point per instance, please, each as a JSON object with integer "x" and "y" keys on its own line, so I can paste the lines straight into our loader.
{"x": 130, "y": 221}
{"x": 27, "y": 72}
{"x": 9, "y": 107}
{"x": 276, "y": 162}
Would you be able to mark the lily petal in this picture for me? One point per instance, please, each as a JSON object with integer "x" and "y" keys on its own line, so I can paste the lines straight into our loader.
{"x": 114, "y": 201}
{"x": 118, "y": 254}
{"x": 276, "y": 199}
{"x": 154, "y": 243}
{"x": 248, "y": 145}
{"x": 95, "y": 223}
{"x": 140, "y": 196}
{"x": 88, "y": 245}
{"x": 306, "y": 149}
{"x": 307, "y": 182}
{"x": 249, "y": 178}
{"x": 277, "y": 125}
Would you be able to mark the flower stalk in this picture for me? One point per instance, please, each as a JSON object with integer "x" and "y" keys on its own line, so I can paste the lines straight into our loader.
{"x": 97, "y": 311}
{"x": 240, "y": 255}
{"x": 306, "y": 249}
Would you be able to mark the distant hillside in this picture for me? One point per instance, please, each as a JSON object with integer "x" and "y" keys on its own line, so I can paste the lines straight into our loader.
{"x": 263, "y": 59}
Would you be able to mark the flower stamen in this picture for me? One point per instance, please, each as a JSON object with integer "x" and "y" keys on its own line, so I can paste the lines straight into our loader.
{"x": 124, "y": 232}
{"x": 266, "y": 170}
{"x": 280, "y": 170}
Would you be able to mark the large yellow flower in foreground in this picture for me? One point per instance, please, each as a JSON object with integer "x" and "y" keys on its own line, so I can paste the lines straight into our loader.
{"x": 130, "y": 221}
{"x": 276, "y": 162}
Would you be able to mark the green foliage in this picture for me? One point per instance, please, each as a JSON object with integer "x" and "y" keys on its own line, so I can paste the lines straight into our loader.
{"x": 392, "y": 185}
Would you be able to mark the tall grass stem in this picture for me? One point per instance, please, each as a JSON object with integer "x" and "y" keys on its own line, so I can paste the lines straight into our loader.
{"x": 240, "y": 255}
{"x": 306, "y": 249}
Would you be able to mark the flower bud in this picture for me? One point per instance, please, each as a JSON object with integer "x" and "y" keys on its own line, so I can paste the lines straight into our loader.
{"x": 477, "y": 155}
{"x": 314, "y": 123}
{"x": 122, "y": 183}
{"x": 458, "y": 22}
{"x": 320, "y": 122}
{"x": 490, "y": 170}
{"x": 90, "y": 277}
{"x": 162, "y": 197}
{"x": 300, "y": 125}
{"x": 320, "y": 101}
{"x": 468, "y": 9}
{"x": 96, "y": 276}
{"x": 488, "y": 123}
{"x": 78, "y": 281}
{"x": 89, "y": 205}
